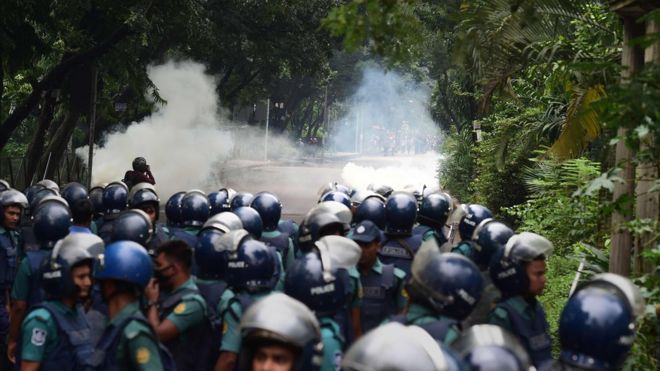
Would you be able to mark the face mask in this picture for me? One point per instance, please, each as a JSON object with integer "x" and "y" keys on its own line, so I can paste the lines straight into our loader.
{"x": 162, "y": 278}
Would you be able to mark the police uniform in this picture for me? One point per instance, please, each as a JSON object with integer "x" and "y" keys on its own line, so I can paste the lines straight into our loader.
{"x": 43, "y": 337}
{"x": 9, "y": 253}
{"x": 384, "y": 294}
{"x": 283, "y": 243}
{"x": 186, "y": 309}
{"x": 187, "y": 234}
{"x": 527, "y": 320}
{"x": 27, "y": 285}
{"x": 464, "y": 248}
{"x": 232, "y": 306}
{"x": 489, "y": 298}
{"x": 135, "y": 347}
{"x": 161, "y": 235}
{"x": 400, "y": 251}
{"x": 333, "y": 344}
{"x": 441, "y": 328}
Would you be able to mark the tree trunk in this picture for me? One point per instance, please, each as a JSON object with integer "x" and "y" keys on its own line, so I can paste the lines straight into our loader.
{"x": 632, "y": 60}
{"x": 37, "y": 143}
{"x": 646, "y": 174}
{"x": 58, "y": 144}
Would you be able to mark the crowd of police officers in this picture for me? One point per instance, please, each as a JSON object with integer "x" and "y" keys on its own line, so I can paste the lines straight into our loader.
{"x": 371, "y": 279}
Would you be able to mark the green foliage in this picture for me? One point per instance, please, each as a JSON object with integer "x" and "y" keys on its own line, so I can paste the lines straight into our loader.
{"x": 387, "y": 27}
{"x": 457, "y": 168}
{"x": 559, "y": 277}
{"x": 551, "y": 209}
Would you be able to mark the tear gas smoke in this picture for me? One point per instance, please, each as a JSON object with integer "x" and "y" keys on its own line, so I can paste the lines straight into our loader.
{"x": 389, "y": 116}
{"x": 185, "y": 140}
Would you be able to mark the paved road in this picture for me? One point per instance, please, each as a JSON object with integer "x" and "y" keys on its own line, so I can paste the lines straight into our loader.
{"x": 296, "y": 183}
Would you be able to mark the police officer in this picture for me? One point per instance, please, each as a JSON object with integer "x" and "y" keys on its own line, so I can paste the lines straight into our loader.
{"x": 270, "y": 209}
{"x": 397, "y": 347}
{"x": 115, "y": 200}
{"x": 51, "y": 219}
{"x": 400, "y": 245}
{"x": 597, "y": 325}
{"x": 337, "y": 196}
{"x": 490, "y": 347}
{"x": 211, "y": 256}
{"x": 82, "y": 212}
{"x": 241, "y": 199}
{"x": 320, "y": 280}
{"x": 128, "y": 342}
{"x": 173, "y": 211}
{"x": 194, "y": 212}
{"x": 176, "y": 310}
{"x": 143, "y": 196}
{"x": 443, "y": 289}
{"x": 96, "y": 196}
{"x": 519, "y": 273}
{"x": 252, "y": 272}
{"x": 55, "y": 334}
{"x": 141, "y": 173}
{"x": 487, "y": 242}
{"x": 382, "y": 284}
{"x": 220, "y": 200}
{"x": 371, "y": 208}
{"x": 50, "y": 184}
{"x": 73, "y": 192}
{"x": 434, "y": 211}
{"x": 251, "y": 220}
{"x": 280, "y": 333}
{"x": 12, "y": 205}
{"x": 133, "y": 225}
{"x": 474, "y": 214}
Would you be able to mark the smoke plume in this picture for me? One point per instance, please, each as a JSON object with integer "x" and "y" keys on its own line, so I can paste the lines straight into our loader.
{"x": 389, "y": 116}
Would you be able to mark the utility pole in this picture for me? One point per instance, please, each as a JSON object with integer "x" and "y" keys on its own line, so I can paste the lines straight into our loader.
{"x": 92, "y": 124}
{"x": 267, "y": 124}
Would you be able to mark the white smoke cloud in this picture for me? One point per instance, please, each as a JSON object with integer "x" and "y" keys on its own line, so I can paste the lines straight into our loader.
{"x": 181, "y": 140}
{"x": 389, "y": 116}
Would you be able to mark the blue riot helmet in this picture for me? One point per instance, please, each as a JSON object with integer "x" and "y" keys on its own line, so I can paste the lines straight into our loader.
{"x": 475, "y": 214}
{"x": 220, "y": 200}
{"x": 115, "y": 197}
{"x": 320, "y": 288}
{"x": 371, "y": 208}
{"x": 395, "y": 347}
{"x": 434, "y": 210}
{"x": 449, "y": 283}
{"x": 125, "y": 261}
{"x": 269, "y": 208}
{"x": 253, "y": 266}
{"x": 143, "y": 193}
{"x": 194, "y": 208}
{"x": 251, "y": 220}
{"x": 490, "y": 236}
{"x": 40, "y": 195}
{"x": 382, "y": 189}
{"x": 47, "y": 183}
{"x": 73, "y": 192}
{"x": 51, "y": 221}
{"x": 320, "y": 278}
{"x": 96, "y": 196}
{"x": 326, "y": 218}
{"x": 173, "y": 209}
{"x": 132, "y": 225}
{"x": 360, "y": 195}
{"x": 212, "y": 252}
{"x": 224, "y": 222}
{"x": 31, "y": 191}
{"x": 508, "y": 270}
{"x": 338, "y": 196}
{"x": 281, "y": 320}
{"x": 73, "y": 250}
{"x": 241, "y": 199}
{"x": 492, "y": 348}
{"x": 597, "y": 325}
{"x": 400, "y": 214}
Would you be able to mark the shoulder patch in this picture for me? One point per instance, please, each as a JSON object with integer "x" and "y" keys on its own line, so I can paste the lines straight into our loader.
{"x": 142, "y": 355}
{"x": 179, "y": 309}
{"x": 38, "y": 336}
{"x": 500, "y": 313}
{"x": 400, "y": 274}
